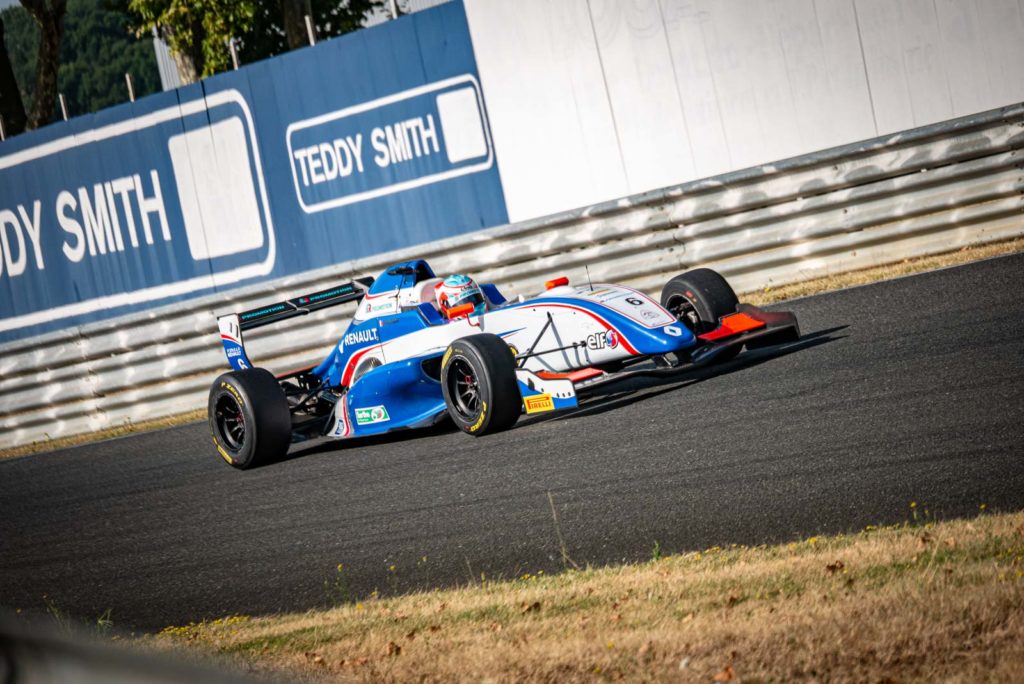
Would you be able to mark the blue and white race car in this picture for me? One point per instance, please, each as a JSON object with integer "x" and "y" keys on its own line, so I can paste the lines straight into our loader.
{"x": 422, "y": 349}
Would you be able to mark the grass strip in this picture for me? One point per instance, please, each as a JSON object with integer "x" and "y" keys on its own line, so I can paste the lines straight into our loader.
{"x": 758, "y": 298}
{"x": 914, "y": 602}
{"x": 126, "y": 428}
{"x": 877, "y": 274}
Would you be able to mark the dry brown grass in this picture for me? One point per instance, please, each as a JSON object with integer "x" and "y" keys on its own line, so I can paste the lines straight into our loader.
{"x": 879, "y": 273}
{"x": 909, "y": 603}
{"x": 108, "y": 433}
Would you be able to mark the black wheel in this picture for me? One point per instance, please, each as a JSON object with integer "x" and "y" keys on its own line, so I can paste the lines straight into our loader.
{"x": 698, "y": 298}
{"x": 249, "y": 418}
{"x": 478, "y": 377}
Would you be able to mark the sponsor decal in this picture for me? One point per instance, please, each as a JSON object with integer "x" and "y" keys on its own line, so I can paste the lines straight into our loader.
{"x": 539, "y": 403}
{"x": 341, "y": 429}
{"x": 609, "y": 339}
{"x": 154, "y": 190}
{"x": 224, "y": 454}
{"x": 231, "y": 388}
{"x": 674, "y": 331}
{"x": 361, "y": 337}
{"x": 389, "y": 305}
{"x": 233, "y": 352}
{"x": 649, "y": 315}
{"x": 404, "y": 140}
{"x": 480, "y": 419}
{"x": 372, "y": 414}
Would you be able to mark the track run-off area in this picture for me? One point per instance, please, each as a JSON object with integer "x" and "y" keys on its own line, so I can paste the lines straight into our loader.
{"x": 910, "y": 390}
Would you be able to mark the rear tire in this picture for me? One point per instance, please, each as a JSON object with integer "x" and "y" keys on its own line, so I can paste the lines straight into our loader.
{"x": 249, "y": 418}
{"x": 478, "y": 377}
{"x": 699, "y": 298}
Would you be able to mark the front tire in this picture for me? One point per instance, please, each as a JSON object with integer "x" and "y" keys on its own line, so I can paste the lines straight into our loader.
{"x": 478, "y": 377}
{"x": 249, "y": 418}
{"x": 699, "y": 298}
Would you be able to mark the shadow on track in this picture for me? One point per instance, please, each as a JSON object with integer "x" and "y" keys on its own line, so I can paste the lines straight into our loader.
{"x": 627, "y": 392}
{"x": 617, "y": 398}
{"x": 324, "y": 444}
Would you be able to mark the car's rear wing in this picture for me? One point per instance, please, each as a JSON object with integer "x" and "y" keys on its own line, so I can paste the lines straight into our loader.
{"x": 232, "y": 325}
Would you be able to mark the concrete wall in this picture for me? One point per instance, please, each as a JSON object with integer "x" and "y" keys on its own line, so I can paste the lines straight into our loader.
{"x": 595, "y": 99}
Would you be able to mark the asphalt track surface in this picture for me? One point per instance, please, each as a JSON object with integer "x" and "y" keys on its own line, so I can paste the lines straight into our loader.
{"x": 909, "y": 390}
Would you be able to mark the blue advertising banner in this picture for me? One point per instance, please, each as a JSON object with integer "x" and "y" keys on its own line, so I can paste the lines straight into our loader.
{"x": 437, "y": 131}
{"x": 360, "y": 145}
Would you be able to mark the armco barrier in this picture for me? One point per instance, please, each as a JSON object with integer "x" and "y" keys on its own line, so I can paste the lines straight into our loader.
{"x": 923, "y": 191}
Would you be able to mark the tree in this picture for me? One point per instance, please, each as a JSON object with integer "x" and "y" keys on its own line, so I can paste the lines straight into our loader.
{"x": 50, "y": 18}
{"x": 12, "y": 109}
{"x": 96, "y": 52}
{"x": 196, "y": 31}
{"x": 279, "y": 26}
{"x": 293, "y": 19}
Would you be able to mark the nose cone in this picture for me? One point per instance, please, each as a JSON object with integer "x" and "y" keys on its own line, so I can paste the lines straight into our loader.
{"x": 668, "y": 338}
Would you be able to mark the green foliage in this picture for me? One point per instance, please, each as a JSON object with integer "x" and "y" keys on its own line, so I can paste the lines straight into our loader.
{"x": 96, "y": 52}
{"x": 21, "y": 36}
{"x": 196, "y": 29}
{"x": 331, "y": 18}
{"x": 104, "y": 40}
{"x": 199, "y": 30}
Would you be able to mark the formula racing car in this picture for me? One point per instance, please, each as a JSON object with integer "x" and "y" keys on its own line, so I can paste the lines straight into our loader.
{"x": 422, "y": 349}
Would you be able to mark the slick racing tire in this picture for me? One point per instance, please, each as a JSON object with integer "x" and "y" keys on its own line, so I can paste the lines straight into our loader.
{"x": 698, "y": 298}
{"x": 249, "y": 418}
{"x": 478, "y": 377}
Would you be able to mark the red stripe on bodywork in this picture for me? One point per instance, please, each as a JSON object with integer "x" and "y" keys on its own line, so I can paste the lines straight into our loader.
{"x": 344, "y": 417}
{"x": 350, "y": 367}
{"x": 730, "y": 325}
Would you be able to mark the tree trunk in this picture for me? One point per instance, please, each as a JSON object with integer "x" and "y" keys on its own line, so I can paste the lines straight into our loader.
{"x": 185, "y": 42}
{"x": 293, "y": 16}
{"x": 51, "y": 30}
{"x": 187, "y": 72}
{"x": 11, "y": 108}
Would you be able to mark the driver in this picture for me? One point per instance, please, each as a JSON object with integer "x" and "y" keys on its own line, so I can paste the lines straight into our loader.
{"x": 456, "y": 290}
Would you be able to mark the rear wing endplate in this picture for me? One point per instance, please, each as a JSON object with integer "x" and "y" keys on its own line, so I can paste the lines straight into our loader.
{"x": 232, "y": 325}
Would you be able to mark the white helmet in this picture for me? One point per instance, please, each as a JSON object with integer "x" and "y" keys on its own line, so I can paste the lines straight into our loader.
{"x": 456, "y": 290}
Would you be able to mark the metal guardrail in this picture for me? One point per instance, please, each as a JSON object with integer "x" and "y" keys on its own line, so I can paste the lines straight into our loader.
{"x": 925, "y": 191}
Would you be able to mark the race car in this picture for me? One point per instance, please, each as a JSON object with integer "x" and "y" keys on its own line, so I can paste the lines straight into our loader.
{"x": 421, "y": 349}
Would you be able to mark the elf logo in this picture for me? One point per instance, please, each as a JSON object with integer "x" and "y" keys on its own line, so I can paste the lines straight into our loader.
{"x": 609, "y": 339}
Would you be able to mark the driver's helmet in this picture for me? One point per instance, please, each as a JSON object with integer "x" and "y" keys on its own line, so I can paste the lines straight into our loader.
{"x": 456, "y": 290}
